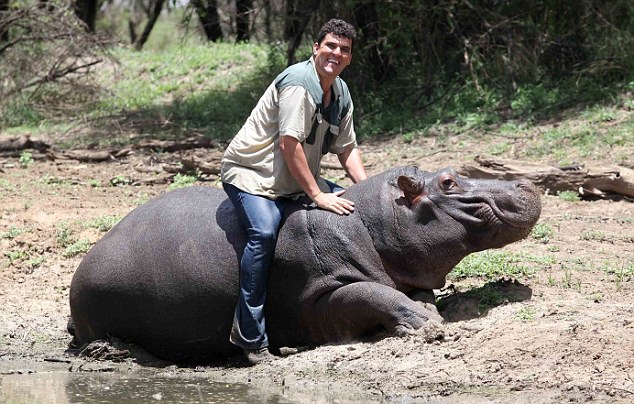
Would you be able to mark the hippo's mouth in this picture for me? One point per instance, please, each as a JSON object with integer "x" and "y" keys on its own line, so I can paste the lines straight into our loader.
{"x": 485, "y": 212}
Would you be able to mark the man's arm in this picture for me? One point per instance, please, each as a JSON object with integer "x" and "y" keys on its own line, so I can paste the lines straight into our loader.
{"x": 350, "y": 160}
{"x": 298, "y": 166}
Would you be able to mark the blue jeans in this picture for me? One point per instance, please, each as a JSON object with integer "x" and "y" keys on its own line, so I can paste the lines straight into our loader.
{"x": 261, "y": 217}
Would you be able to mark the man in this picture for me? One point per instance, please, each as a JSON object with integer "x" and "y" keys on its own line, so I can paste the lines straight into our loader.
{"x": 275, "y": 158}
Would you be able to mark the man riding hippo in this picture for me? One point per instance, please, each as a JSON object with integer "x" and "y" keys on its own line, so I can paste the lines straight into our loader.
{"x": 305, "y": 113}
{"x": 166, "y": 277}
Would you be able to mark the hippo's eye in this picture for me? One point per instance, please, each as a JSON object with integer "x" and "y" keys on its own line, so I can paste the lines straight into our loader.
{"x": 448, "y": 183}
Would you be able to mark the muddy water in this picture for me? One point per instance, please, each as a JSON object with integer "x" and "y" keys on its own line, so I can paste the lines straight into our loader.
{"x": 61, "y": 388}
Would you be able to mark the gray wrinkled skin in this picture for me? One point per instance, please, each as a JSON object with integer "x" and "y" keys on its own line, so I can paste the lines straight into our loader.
{"x": 166, "y": 277}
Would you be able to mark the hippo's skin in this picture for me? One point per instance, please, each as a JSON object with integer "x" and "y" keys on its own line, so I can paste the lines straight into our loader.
{"x": 166, "y": 277}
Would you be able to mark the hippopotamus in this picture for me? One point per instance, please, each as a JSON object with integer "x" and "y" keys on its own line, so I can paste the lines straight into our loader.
{"x": 166, "y": 276}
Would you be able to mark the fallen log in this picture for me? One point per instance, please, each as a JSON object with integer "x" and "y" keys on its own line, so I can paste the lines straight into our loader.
{"x": 210, "y": 166}
{"x": 13, "y": 144}
{"x": 10, "y": 147}
{"x": 172, "y": 146}
{"x": 588, "y": 181}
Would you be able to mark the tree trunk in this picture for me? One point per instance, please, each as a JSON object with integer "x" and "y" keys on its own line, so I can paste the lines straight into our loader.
{"x": 154, "y": 16}
{"x": 242, "y": 21}
{"x": 132, "y": 31}
{"x": 210, "y": 20}
{"x": 4, "y": 31}
{"x": 298, "y": 14}
{"x": 368, "y": 22}
{"x": 86, "y": 10}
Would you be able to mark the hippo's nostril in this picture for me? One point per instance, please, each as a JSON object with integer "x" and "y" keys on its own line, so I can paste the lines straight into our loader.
{"x": 523, "y": 184}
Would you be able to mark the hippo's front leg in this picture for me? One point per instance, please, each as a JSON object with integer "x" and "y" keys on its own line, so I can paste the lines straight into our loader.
{"x": 358, "y": 308}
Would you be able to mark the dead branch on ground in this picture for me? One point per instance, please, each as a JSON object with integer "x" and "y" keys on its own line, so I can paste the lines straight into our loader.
{"x": 597, "y": 181}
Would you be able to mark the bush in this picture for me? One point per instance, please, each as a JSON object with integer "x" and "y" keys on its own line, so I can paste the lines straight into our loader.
{"x": 46, "y": 55}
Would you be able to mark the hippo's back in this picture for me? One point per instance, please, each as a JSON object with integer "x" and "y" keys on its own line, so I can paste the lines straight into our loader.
{"x": 166, "y": 277}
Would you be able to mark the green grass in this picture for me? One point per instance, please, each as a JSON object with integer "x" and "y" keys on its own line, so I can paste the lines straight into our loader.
{"x": 594, "y": 235}
{"x": 120, "y": 180}
{"x": 569, "y": 196}
{"x": 79, "y": 247}
{"x": 11, "y": 233}
{"x": 599, "y": 113}
{"x": 526, "y": 313}
{"x": 175, "y": 89}
{"x": 66, "y": 239}
{"x": 104, "y": 223}
{"x": 35, "y": 262}
{"x": 51, "y": 180}
{"x": 26, "y": 158}
{"x": 5, "y": 185}
{"x": 63, "y": 235}
{"x": 492, "y": 264}
{"x": 620, "y": 273}
{"x": 183, "y": 180}
{"x": 207, "y": 89}
{"x": 15, "y": 255}
{"x": 542, "y": 233}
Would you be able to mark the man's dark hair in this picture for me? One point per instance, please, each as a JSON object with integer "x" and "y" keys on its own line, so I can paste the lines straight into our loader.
{"x": 337, "y": 27}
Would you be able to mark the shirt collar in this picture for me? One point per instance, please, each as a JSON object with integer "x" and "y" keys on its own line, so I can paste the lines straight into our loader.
{"x": 335, "y": 88}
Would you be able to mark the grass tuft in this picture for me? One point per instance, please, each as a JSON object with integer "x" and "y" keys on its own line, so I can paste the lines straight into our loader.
{"x": 492, "y": 265}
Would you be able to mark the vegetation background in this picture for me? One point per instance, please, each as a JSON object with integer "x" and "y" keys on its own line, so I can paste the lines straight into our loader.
{"x": 168, "y": 69}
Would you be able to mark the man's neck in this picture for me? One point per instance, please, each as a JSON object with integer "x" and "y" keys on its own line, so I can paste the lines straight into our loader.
{"x": 326, "y": 84}
{"x": 327, "y": 97}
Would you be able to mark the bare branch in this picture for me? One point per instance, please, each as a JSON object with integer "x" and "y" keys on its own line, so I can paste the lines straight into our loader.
{"x": 45, "y": 45}
{"x": 55, "y": 74}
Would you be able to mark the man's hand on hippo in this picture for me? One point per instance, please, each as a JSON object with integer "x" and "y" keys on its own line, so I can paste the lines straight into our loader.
{"x": 333, "y": 202}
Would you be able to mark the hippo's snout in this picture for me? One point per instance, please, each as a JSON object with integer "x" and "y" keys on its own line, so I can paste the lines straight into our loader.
{"x": 519, "y": 206}
{"x": 527, "y": 186}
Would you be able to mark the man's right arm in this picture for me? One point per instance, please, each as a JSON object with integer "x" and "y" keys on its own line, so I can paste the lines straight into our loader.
{"x": 295, "y": 159}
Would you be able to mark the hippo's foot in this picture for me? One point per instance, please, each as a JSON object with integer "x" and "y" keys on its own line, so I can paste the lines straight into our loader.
{"x": 430, "y": 331}
{"x": 428, "y": 322}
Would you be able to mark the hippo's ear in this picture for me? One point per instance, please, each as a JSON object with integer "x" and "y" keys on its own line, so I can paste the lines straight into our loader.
{"x": 412, "y": 189}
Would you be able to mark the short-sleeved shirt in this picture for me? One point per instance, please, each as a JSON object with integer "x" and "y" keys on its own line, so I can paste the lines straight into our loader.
{"x": 290, "y": 106}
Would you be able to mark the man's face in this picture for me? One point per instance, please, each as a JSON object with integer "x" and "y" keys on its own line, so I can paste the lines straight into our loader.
{"x": 332, "y": 55}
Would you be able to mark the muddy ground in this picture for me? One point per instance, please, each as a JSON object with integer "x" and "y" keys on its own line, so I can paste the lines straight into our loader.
{"x": 565, "y": 333}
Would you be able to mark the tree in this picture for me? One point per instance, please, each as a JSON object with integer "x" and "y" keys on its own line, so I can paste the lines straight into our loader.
{"x": 48, "y": 48}
{"x": 368, "y": 22}
{"x": 86, "y": 11}
{"x": 243, "y": 30}
{"x": 152, "y": 9}
{"x": 207, "y": 11}
{"x": 4, "y": 31}
{"x": 298, "y": 15}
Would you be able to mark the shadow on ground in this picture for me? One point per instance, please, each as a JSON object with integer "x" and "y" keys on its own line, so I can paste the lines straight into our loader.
{"x": 460, "y": 306}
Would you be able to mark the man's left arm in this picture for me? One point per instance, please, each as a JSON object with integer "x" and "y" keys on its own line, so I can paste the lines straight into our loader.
{"x": 350, "y": 160}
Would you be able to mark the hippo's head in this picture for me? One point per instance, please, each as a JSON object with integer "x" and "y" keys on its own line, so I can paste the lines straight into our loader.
{"x": 487, "y": 213}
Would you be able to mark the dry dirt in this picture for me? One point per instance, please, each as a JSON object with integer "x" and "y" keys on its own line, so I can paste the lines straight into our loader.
{"x": 570, "y": 337}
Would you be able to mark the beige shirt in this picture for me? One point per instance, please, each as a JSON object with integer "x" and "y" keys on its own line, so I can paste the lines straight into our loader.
{"x": 253, "y": 160}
